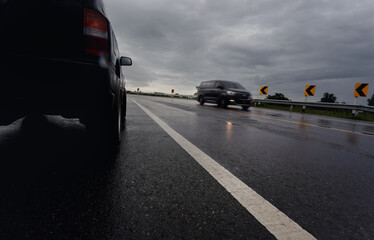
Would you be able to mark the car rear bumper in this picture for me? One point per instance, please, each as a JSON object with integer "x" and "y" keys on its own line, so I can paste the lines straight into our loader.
{"x": 50, "y": 86}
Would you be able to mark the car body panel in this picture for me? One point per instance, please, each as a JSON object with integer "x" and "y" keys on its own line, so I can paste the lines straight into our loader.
{"x": 43, "y": 64}
{"x": 215, "y": 90}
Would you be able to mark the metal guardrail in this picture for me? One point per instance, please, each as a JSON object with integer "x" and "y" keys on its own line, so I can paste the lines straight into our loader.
{"x": 318, "y": 105}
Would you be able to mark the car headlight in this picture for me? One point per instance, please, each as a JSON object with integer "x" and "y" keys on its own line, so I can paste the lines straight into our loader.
{"x": 230, "y": 93}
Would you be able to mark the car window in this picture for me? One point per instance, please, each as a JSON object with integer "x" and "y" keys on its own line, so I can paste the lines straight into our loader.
{"x": 210, "y": 84}
{"x": 233, "y": 85}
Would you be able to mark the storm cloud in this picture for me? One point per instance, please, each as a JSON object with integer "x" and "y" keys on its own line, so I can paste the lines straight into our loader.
{"x": 282, "y": 44}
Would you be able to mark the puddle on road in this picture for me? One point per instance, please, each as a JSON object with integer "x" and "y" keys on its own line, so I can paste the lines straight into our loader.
{"x": 249, "y": 120}
{"x": 352, "y": 139}
{"x": 324, "y": 123}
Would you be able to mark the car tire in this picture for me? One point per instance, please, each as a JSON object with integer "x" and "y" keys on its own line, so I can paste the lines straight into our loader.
{"x": 117, "y": 122}
{"x": 245, "y": 108}
{"x": 103, "y": 127}
{"x": 123, "y": 112}
{"x": 201, "y": 101}
{"x": 222, "y": 103}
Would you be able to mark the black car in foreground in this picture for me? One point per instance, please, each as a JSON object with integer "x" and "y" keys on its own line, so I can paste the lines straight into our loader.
{"x": 223, "y": 93}
{"x": 61, "y": 58}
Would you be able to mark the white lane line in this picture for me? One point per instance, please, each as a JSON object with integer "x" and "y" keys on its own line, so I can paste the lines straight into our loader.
{"x": 281, "y": 226}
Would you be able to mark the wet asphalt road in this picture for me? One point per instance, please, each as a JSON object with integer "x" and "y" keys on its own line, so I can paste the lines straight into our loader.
{"x": 317, "y": 170}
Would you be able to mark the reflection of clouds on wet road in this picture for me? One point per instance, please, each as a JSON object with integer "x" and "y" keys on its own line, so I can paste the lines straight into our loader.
{"x": 353, "y": 139}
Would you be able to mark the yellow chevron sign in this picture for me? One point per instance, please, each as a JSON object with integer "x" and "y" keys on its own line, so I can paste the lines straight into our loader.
{"x": 361, "y": 89}
{"x": 309, "y": 90}
{"x": 264, "y": 90}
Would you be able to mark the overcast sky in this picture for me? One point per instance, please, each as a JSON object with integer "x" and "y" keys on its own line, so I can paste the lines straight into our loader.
{"x": 278, "y": 43}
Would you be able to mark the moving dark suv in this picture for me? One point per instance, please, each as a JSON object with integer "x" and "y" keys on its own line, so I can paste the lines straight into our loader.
{"x": 61, "y": 58}
{"x": 223, "y": 93}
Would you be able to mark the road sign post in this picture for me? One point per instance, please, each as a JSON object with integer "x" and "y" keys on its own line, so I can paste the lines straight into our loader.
{"x": 304, "y": 107}
{"x": 172, "y": 94}
{"x": 361, "y": 90}
{"x": 263, "y": 91}
{"x": 309, "y": 91}
{"x": 354, "y": 112}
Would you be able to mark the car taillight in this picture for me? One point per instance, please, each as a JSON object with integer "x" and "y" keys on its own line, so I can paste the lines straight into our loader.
{"x": 96, "y": 32}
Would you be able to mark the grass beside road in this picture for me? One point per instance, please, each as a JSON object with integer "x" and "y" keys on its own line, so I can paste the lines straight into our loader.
{"x": 340, "y": 113}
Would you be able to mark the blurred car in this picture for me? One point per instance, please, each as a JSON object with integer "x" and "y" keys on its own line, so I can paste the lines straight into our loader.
{"x": 61, "y": 58}
{"x": 223, "y": 93}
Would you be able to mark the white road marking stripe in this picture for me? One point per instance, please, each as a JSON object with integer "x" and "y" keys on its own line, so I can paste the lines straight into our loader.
{"x": 281, "y": 226}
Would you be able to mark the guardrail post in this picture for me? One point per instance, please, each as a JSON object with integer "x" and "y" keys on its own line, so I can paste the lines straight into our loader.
{"x": 291, "y": 108}
{"x": 304, "y": 107}
{"x": 355, "y": 112}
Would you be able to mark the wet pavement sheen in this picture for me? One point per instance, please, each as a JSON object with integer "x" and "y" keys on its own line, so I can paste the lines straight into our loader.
{"x": 317, "y": 170}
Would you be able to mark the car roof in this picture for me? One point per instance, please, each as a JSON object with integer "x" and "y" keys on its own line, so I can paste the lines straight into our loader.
{"x": 222, "y": 81}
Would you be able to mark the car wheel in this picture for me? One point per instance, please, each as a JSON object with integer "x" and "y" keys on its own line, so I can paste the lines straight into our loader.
{"x": 123, "y": 112}
{"x": 103, "y": 127}
{"x": 118, "y": 122}
{"x": 222, "y": 103}
{"x": 245, "y": 107}
{"x": 201, "y": 101}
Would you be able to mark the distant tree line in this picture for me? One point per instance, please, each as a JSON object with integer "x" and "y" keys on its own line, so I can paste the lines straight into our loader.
{"x": 277, "y": 96}
{"x": 328, "y": 97}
